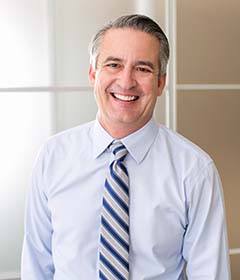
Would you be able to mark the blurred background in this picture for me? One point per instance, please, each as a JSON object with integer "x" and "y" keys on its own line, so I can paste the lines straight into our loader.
{"x": 44, "y": 89}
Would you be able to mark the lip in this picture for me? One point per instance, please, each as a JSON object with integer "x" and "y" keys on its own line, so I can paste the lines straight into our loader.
{"x": 126, "y": 98}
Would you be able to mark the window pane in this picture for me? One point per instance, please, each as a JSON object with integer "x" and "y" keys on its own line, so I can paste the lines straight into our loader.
{"x": 26, "y": 122}
{"x": 75, "y": 108}
{"x": 24, "y": 43}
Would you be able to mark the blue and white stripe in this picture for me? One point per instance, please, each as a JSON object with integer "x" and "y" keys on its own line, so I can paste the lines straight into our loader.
{"x": 114, "y": 233}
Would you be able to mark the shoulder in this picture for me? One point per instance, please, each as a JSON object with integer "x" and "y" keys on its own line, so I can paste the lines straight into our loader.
{"x": 68, "y": 143}
{"x": 62, "y": 150}
{"x": 185, "y": 155}
{"x": 77, "y": 136}
{"x": 191, "y": 165}
{"x": 179, "y": 143}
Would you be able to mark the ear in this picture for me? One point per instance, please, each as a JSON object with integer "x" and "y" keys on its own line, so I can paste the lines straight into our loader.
{"x": 161, "y": 84}
{"x": 92, "y": 74}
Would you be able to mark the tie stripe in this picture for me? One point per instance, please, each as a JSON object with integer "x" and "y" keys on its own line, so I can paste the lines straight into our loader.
{"x": 115, "y": 215}
{"x": 119, "y": 176}
{"x": 115, "y": 244}
{"x": 110, "y": 248}
{"x": 114, "y": 232}
{"x": 115, "y": 206}
{"x": 124, "y": 197}
{"x": 114, "y": 271}
{"x": 102, "y": 276}
{"x": 117, "y": 197}
{"x": 124, "y": 169}
{"x": 115, "y": 225}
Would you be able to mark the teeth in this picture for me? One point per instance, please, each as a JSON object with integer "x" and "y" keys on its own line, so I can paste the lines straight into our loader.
{"x": 124, "y": 97}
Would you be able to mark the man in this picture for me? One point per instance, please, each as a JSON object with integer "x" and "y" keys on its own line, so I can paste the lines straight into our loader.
{"x": 121, "y": 197}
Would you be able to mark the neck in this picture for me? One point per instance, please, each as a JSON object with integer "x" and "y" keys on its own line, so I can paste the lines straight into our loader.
{"x": 119, "y": 131}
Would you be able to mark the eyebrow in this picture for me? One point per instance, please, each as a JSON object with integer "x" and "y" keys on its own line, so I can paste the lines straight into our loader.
{"x": 112, "y": 58}
{"x": 145, "y": 63}
{"x": 138, "y": 62}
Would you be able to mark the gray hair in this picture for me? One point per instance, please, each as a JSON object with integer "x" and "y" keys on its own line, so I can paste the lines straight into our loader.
{"x": 137, "y": 22}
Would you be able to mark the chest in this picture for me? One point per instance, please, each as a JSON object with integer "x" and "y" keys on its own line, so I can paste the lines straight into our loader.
{"x": 157, "y": 208}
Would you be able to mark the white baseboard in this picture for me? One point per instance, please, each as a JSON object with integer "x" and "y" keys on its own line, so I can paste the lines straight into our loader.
{"x": 235, "y": 251}
{"x": 192, "y": 87}
{"x": 9, "y": 275}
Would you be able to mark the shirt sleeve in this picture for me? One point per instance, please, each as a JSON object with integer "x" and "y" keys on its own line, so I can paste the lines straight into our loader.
{"x": 205, "y": 247}
{"x": 37, "y": 262}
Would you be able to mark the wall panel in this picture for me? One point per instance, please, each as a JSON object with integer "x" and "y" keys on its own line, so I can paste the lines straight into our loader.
{"x": 208, "y": 41}
{"x": 235, "y": 266}
{"x": 211, "y": 119}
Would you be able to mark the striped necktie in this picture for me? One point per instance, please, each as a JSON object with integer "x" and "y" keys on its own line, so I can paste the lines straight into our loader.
{"x": 114, "y": 232}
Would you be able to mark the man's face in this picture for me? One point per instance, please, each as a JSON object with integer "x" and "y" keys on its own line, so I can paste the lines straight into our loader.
{"x": 126, "y": 80}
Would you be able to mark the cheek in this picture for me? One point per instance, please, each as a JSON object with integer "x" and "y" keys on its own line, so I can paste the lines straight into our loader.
{"x": 102, "y": 83}
{"x": 148, "y": 85}
{"x": 100, "y": 92}
{"x": 99, "y": 88}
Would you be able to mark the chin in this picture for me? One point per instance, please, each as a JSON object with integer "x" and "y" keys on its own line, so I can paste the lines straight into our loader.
{"x": 127, "y": 121}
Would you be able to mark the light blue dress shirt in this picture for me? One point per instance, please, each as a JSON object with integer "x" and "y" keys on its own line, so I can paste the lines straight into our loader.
{"x": 176, "y": 207}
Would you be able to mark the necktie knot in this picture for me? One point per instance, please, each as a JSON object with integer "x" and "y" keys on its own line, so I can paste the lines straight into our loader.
{"x": 119, "y": 150}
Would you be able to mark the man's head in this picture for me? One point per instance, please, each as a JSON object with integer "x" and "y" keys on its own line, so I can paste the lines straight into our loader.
{"x": 128, "y": 70}
{"x": 137, "y": 22}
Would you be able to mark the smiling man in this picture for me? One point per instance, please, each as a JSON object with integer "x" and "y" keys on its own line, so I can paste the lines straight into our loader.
{"x": 123, "y": 197}
{"x": 127, "y": 81}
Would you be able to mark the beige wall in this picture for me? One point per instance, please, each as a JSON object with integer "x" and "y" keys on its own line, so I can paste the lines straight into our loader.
{"x": 235, "y": 261}
{"x": 208, "y": 44}
{"x": 211, "y": 119}
{"x": 208, "y": 41}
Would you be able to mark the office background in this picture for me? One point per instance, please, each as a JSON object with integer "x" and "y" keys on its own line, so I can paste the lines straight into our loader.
{"x": 44, "y": 89}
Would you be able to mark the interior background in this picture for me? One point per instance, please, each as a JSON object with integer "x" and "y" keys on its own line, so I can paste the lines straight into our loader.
{"x": 44, "y": 89}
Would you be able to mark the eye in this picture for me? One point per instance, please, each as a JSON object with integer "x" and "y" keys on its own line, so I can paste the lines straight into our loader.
{"x": 143, "y": 69}
{"x": 113, "y": 65}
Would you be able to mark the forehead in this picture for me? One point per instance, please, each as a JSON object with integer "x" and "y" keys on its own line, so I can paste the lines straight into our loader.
{"x": 127, "y": 43}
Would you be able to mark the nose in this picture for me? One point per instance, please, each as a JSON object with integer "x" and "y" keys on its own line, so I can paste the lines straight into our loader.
{"x": 126, "y": 78}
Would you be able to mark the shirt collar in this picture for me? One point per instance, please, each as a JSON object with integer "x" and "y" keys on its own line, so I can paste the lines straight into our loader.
{"x": 101, "y": 139}
{"x": 137, "y": 143}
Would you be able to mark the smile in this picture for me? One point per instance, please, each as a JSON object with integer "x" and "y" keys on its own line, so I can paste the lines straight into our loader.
{"x": 127, "y": 98}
